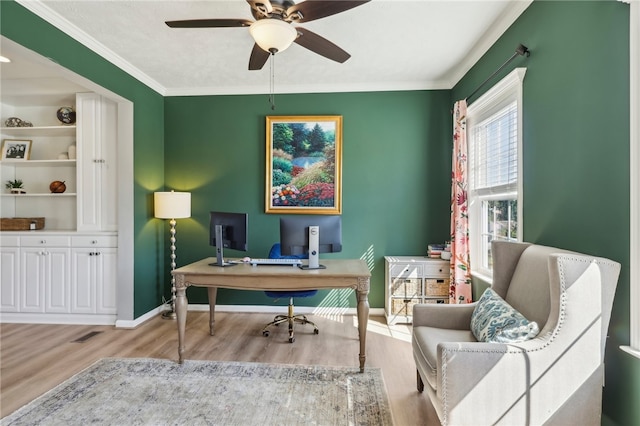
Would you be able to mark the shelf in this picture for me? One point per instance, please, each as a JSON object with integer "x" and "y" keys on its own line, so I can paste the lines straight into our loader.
{"x": 36, "y": 163}
{"x": 68, "y": 130}
{"x": 43, "y": 194}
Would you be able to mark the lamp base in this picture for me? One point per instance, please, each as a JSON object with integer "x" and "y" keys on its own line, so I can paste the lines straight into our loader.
{"x": 169, "y": 315}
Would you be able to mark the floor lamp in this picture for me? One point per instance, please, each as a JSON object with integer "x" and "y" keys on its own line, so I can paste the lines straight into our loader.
{"x": 172, "y": 205}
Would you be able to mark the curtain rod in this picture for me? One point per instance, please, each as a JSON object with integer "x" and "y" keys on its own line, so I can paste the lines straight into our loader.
{"x": 521, "y": 50}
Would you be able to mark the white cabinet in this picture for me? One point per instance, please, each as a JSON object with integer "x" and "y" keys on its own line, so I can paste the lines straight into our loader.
{"x": 58, "y": 278}
{"x": 411, "y": 280}
{"x": 9, "y": 274}
{"x": 93, "y": 280}
{"x": 65, "y": 273}
{"x": 44, "y": 269}
{"x": 97, "y": 154}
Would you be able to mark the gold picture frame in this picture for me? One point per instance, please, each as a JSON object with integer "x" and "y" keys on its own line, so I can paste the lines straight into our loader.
{"x": 16, "y": 149}
{"x": 304, "y": 164}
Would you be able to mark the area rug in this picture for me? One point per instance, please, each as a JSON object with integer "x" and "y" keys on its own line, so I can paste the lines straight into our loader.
{"x": 117, "y": 391}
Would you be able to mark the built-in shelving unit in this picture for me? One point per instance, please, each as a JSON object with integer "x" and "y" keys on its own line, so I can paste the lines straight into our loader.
{"x": 50, "y": 140}
{"x": 65, "y": 272}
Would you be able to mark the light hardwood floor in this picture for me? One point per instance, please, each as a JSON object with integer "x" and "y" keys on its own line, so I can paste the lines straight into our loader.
{"x": 35, "y": 358}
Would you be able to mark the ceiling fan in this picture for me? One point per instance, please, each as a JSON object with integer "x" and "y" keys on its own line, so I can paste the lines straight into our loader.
{"x": 273, "y": 29}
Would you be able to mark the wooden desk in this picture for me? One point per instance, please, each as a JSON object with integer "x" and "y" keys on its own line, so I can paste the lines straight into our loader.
{"x": 338, "y": 274}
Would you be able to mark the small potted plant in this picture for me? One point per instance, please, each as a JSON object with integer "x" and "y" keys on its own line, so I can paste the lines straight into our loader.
{"x": 15, "y": 186}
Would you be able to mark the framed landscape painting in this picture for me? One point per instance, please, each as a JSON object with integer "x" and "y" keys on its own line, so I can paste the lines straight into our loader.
{"x": 304, "y": 164}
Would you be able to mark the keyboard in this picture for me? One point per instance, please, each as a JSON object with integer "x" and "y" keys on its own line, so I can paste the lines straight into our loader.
{"x": 277, "y": 262}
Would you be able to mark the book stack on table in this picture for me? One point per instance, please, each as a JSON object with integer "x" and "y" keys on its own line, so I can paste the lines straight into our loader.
{"x": 435, "y": 250}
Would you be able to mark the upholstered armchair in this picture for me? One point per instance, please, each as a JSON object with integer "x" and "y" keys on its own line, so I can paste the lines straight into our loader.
{"x": 555, "y": 377}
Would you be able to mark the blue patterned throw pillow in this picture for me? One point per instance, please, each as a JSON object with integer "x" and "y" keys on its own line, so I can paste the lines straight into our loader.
{"x": 494, "y": 320}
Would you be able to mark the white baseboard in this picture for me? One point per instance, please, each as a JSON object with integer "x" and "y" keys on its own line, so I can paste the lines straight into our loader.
{"x": 141, "y": 319}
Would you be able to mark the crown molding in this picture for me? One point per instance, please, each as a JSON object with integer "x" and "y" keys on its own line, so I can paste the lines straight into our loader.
{"x": 40, "y": 9}
{"x": 488, "y": 39}
{"x": 507, "y": 18}
{"x": 391, "y": 86}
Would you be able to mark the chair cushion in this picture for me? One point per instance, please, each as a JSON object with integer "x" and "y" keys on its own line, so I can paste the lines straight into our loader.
{"x": 494, "y": 320}
{"x": 425, "y": 342}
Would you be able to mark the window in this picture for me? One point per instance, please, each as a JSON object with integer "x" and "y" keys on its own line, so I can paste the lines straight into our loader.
{"x": 494, "y": 126}
{"x": 634, "y": 198}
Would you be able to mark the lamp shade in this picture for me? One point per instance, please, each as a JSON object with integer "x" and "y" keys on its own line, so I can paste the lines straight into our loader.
{"x": 172, "y": 205}
{"x": 273, "y": 34}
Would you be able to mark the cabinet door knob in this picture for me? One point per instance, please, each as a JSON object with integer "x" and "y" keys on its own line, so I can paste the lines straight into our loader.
{"x": 94, "y": 242}
{"x": 43, "y": 241}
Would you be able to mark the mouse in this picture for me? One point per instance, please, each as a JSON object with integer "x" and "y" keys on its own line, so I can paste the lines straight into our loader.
{"x": 246, "y": 259}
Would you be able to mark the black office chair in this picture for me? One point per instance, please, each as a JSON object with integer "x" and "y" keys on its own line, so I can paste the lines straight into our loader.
{"x": 291, "y": 318}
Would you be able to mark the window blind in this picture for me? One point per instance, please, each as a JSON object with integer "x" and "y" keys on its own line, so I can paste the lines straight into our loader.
{"x": 494, "y": 153}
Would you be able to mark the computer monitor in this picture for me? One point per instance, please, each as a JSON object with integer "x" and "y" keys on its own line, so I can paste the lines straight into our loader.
{"x": 228, "y": 230}
{"x": 313, "y": 234}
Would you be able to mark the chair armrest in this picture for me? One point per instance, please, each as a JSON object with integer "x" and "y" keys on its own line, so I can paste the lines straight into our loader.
{"x": 511, "y": 383}
{"x": 455, "y": 317}
{"x": 467, "y": 376}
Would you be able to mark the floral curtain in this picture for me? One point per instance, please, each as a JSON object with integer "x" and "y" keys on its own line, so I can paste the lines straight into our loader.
{"x": 460, "y": 289}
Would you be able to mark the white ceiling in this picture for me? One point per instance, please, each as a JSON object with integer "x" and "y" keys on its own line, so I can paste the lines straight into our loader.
{"x": 394, "y": 44}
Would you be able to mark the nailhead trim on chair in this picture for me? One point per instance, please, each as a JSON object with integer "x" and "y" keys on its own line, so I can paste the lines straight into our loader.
{"x": 549, "y": 337}
{"x": 445, "y": 410}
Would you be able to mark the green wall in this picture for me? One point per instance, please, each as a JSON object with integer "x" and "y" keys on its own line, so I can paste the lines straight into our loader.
{"x": 396, "y": 158}
{"x": 576, "y": 151}
{"x": 395, "y": 177}
{"x": 25, "y": 28}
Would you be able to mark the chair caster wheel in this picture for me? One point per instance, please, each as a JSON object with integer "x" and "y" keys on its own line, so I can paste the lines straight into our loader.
{"x": 316, "y": 331}
{"x": 265, "y": 333}
{"x": 292, "y": 339}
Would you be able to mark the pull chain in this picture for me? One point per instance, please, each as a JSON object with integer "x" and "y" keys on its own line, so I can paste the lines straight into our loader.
{"x": 272, "y": 69}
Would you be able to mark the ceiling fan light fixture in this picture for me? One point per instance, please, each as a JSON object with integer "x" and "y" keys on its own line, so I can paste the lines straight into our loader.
{"x": 273, "y": 35}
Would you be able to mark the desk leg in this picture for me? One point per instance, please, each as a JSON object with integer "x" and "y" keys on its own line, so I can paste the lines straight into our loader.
{"x": 362, "y": 297}
{"x": 212, "y": 291}
{"x": 181, "y": 314}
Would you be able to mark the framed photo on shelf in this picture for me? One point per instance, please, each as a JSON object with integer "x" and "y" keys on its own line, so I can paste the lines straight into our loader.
{"x": 304, "y": 164}
{"x": 16, "y": 149}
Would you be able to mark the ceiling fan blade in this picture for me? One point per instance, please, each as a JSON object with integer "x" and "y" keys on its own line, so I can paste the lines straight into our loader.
{"x": 310, "y": 10}
{"x": 209, "y": 23}
{"x": 258, "y": 58}
{"x": 320, "y": 45}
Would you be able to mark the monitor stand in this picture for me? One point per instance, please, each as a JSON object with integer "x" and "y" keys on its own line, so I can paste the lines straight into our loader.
{"x": 314, "y": 249}
{"x": 219, "y": 249}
